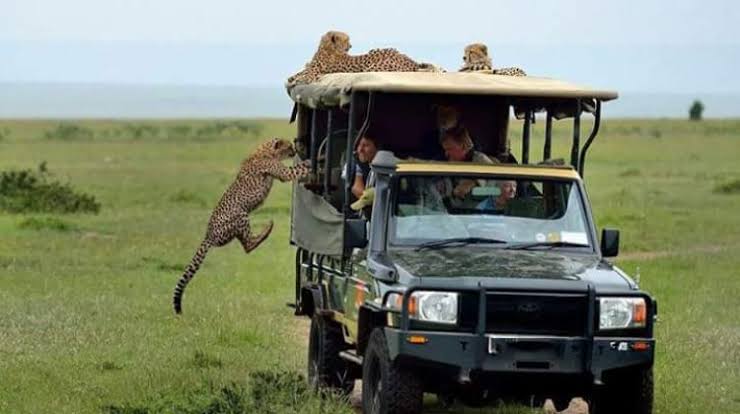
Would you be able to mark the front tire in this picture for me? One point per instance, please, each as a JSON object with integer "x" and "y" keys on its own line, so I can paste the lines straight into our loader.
{"x": 629, "y": 391}
{"x": 326, "y": 370}
{"x": 386, "y": 387}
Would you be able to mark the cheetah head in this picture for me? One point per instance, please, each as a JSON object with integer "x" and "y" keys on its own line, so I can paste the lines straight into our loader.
{"x": 277, "y": 148}
{"x": 476, "y": 53}
{"x": 336, "y": 42}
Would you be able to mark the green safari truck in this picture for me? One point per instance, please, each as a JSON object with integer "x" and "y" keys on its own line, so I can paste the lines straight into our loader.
{"x": 477, "y": 298}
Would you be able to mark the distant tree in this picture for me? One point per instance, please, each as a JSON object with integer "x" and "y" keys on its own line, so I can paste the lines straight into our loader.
{"x": 696, "y": 110}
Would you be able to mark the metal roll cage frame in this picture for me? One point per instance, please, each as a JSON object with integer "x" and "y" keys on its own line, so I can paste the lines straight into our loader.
{"x": 577, "y": 154}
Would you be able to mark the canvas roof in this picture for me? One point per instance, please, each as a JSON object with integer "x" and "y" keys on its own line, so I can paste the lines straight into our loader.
{"x": 336, "y": 88}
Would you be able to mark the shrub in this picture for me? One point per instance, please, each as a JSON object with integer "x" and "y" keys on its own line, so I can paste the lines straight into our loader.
{"x": 696, "y": 111}
{"x": 137, "y": 131}
{"x": 27, "y": 191}
{"x": 732, "y": 187}
{"x": 68, "y": 131}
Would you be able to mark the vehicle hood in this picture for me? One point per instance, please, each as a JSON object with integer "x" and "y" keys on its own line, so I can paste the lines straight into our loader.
{"x": 499, "y": 263}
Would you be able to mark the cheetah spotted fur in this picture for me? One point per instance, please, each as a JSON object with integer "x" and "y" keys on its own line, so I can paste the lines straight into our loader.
{"x": 476, "y": 59}
{"x": 230, "y": 218}
{"x": 333, "y": 56}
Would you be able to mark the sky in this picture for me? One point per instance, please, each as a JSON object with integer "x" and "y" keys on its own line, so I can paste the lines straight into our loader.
{"x": 646, "y": 46}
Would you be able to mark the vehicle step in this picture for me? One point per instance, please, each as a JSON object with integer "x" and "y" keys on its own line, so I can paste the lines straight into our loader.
{"x": 351, "y": 356}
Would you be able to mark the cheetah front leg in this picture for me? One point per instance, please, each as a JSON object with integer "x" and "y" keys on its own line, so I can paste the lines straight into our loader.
{"x": 295, "y": 172}
{"x": 250, "y": 242}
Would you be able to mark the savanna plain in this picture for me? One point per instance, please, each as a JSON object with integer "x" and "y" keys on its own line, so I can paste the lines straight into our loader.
{"x": 86, "y": 323}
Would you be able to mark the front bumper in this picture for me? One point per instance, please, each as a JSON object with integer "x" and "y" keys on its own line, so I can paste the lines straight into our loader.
{"x": 491, "y": 353}
{"x": 483, "y": 349}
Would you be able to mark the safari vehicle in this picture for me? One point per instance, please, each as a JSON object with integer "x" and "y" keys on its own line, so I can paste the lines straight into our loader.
{"x": 471, "y": 300}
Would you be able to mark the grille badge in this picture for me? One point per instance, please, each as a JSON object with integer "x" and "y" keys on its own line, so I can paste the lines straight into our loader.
{"x": 529, "y": 307}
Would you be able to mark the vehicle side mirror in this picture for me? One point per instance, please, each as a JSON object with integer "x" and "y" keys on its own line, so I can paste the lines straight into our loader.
{"x": 609, "y": 242}
{"x": 355, "y": 233}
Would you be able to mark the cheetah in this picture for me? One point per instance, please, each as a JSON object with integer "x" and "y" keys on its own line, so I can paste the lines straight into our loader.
{"x": 476, "y": 59}
{"x": 230, "y": 218}
{"x": 333, "y": 56}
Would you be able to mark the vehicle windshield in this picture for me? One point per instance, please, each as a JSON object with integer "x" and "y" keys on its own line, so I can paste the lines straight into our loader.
{"x": 438, "y": 211}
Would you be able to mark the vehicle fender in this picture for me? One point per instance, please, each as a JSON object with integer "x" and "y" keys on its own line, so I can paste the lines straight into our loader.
{"x": 312, "y": 299}
{"x": 367, "y": 320}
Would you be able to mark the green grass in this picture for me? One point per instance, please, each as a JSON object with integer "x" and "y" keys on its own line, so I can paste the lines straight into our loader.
{"x": 87, "y": 324}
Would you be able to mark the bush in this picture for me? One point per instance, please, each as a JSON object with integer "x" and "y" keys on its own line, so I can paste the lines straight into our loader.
{"x": 696, "y": 111}
{"x": 732, "y": 187}
{"x": 26, "y": 191}
{"x": 67, "y": 131}
{"x": 137, "y": 131}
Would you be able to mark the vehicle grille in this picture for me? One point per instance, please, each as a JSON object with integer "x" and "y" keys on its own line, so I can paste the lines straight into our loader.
{"x": 515, "y": 313}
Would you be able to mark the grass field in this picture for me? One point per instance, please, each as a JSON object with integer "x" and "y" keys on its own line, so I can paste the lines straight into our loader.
{"x": 86, "y": 323}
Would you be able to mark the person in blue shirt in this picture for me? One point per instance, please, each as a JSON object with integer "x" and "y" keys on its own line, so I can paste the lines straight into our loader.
{"x": 364, "y": 153}
{"x": 508, "y": 191}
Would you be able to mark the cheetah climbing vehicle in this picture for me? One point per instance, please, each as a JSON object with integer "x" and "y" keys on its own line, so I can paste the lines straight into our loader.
{"x": 503, "y": 293}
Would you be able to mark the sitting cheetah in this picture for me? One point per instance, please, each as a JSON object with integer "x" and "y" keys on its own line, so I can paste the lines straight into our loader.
{"x": 230, "y": 218}
{"x": 333, "y": 57}
{"x": 476, "y": 59}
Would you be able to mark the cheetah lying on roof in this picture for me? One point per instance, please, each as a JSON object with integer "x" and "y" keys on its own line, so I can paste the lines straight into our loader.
{"x": 333, "y": 57}
{"x": 230, "y": 218}
{"x": 476, "y": 59}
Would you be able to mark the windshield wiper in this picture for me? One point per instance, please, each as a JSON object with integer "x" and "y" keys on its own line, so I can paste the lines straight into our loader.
{"x": 547, "y": 244}
{"x": 458, "y": 240}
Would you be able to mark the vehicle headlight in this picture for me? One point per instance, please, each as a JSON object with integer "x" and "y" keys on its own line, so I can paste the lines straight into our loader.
{"x": 622, "y": 313}
{"x": 428, "y": 306}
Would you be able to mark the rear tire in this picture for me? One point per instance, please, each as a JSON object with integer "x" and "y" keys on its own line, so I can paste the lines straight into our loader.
{"x": 326, "y": 370}
{"x": 630, "y": 391}
{"x": 386, "y": 387}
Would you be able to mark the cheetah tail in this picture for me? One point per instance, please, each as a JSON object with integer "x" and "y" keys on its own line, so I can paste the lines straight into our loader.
{"x": 193, "y": 267}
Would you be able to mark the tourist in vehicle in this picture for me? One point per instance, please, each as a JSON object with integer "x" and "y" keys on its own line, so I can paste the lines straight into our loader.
{"x": 366, "y": 149}
{"x": 508, "y": 191}
{"x": 458, "y": 147}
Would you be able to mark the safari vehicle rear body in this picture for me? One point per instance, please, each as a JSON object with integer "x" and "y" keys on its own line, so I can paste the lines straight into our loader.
{"x": 475, "y": 299}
